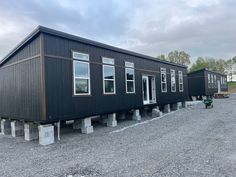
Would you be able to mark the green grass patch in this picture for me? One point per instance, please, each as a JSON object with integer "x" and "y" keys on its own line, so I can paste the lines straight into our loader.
{"x": 232, "y": 87}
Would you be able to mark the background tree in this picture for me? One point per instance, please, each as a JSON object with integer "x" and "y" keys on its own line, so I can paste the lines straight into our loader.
{"x": 162, "y": 57}
{"x": 212, "y": 64}
{"x": 230, "y": 68}
{"x": 181, "y": 57}
{"x": 200, "y": 63}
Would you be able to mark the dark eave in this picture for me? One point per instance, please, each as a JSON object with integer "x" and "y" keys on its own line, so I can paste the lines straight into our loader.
{"x": 82, "y": 40}
{"x": 205, "y": 69}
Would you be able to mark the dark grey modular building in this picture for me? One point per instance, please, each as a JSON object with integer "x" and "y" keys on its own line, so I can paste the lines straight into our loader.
{"x": 53, "y": 76}
{"x": 206, "y": 83}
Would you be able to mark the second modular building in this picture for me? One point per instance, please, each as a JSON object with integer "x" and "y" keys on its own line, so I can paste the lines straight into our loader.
{"x": 54, "y": 76}
{"x": 206, "y": 83}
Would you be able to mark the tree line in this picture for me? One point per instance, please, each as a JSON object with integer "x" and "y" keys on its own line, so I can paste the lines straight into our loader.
{"x": 219, "y": 65}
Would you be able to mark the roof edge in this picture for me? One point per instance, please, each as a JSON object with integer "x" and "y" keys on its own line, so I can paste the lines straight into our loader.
{"x": 82, "y": 40}
{"x": 206, "y": 69}
{"x": 22, "y": 43}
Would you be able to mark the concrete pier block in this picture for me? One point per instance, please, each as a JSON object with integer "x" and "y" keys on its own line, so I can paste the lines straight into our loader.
{"x": 174, "y": 107}
{"x": 86, "y": 126}
{"x": 5, "y": 126}
{"x": 179, "y": 104}
{"x": 111, "y": 120}
{"x": 184, "y": 104}
{"x": 31, "y": 131}
{"x": 166, "y": 108}
{"x": 156, "y": 112}
{"x": 77, "y": 124}
{"x": 46, "y": 134}
{"x": 136, "y": 115}
{"x": 17, "y": 128}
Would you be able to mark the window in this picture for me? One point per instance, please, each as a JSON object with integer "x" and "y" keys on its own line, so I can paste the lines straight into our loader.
{"x": 108, "y": 76}
{"x": 173, "y": 81}
{"x": 212, "y": 82}
{"x": 81, "y": 74}
{"x": 215, "y": 84}
{"x": 80, "y": 56}
{"x": 209, "y": 81}
{"x": 129, "y": 77}
{"x": 163, "y": 80}
{"x": 181, "y": 81}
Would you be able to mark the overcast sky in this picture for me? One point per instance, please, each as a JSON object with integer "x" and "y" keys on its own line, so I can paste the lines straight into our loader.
{"x": 200, "y": 27}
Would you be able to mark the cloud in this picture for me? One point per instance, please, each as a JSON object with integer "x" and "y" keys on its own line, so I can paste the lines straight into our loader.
{"x": 154, "y": 27}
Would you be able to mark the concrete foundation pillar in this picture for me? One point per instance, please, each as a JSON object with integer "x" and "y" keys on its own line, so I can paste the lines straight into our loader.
{"x": 179, "y": 104}
{"x": 17, "y": 128}
{"x": 31, "y": 131}
{"x": 184, "y": 104}
{"x": 5, "y": 127}
{"x": 111, "y": 120}
{"x": 175, "y": 106}
{"x": 77, "y": 124}
{"x": 46, "y": 134}
{"x": 156, "y": 112}
{"x": 136, "y": 115}
{"x": 166, "y": 108}
{"x": 86, "y": 126}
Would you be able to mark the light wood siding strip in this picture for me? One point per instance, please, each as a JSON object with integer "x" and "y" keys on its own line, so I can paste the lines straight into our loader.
{"x": 21, "y": 61}
{"x": 97, "y": 63}
{"x": 43, "y": 91}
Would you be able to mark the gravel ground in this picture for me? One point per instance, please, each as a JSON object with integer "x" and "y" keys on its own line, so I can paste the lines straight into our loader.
{"x": 190, "y": 142}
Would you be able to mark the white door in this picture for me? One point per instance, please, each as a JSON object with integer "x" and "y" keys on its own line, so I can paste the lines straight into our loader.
{"x": 219, "y": 90}
{"x": 146, "y": 98}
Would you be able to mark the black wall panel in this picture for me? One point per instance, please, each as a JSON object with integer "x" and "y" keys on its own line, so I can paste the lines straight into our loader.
{"x": 20, "y": 94}
{"x": 61, "y": 104}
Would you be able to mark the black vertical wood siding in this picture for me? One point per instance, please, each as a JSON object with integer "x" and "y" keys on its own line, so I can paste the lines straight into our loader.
{"x": 29, "y": 50}
{"x": 20, "y": 84}
{"x": 60, "y": 102}
{"x": 198, "y": 83}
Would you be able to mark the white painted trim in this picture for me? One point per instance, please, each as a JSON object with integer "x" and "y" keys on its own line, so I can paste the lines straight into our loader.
{"x": 126, "y": 81}
{"x": 153, "y": 101}
{"x": 74, "y": 77}
{"x": 103, "y": 78}
{"x": 181, "y": 90}
{"x": 147, "y": 89}
{"x": 172, "y": 70}
{"x": 163, "y": 72}
{"x": 109, "y": 61}
{"x": 85, "y": 54}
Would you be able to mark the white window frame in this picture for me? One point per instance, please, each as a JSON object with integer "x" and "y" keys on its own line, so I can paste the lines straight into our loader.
{"x": 74, "y": 78}
{"x": 215, "y": 81}
{"x": 108, "y": 62}
{"x": 212, "y": 81}
{"x": 181, "y": 83}
{"x": 172, "y": 70}
{"x": 129, "y": 65}
{"x": 209, "y": 80}
{"x": 163, "y": 71}
{"x": 74, "y": 53}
